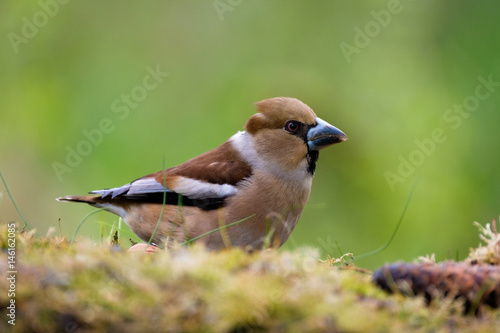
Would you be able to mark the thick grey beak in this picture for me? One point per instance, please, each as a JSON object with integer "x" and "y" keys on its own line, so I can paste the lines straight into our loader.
{"x": 323, "y": 135}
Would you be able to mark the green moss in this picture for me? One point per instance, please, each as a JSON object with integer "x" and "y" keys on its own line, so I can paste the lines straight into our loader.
{"x": 99, "y": 288}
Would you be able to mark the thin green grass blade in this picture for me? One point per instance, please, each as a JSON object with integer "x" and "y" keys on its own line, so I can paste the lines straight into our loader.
{"x": 181, "y": 214}
{"x": 81, "y": 223}
{"x": 120, "y": 225}
{"x": 217, "y": 229}
{"x": 111, "y": 231}
{"x": 26, "y": 223}
{"x": 163, "y": 204}
{"x": 383, "y": 247}
{"x": 120, "y": 229}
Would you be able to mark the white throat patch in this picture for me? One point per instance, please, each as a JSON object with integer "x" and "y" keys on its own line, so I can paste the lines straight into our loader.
{"x": 243, "y": 142}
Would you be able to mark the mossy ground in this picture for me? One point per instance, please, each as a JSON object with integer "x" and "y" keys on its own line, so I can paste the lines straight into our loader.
{"x": 102, "y": 288}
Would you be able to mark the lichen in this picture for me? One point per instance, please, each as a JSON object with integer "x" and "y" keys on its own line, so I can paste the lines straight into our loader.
{"x": 488, "y": 253}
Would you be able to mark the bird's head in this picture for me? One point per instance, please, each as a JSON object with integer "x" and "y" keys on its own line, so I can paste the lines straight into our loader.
{"x": 287, "y": 131}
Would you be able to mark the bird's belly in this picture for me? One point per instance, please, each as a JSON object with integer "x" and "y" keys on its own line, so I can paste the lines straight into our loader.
{"x": 275, "y": 208}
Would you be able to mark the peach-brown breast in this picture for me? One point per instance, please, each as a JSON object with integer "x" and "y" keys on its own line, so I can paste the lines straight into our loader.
{"x": 277, "y": 206}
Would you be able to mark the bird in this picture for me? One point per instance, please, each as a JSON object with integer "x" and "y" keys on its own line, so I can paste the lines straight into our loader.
{"x": 249, "y": 192}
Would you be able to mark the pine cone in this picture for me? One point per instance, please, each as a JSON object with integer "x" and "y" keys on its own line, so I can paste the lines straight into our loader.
{"x": 478, "y": 284}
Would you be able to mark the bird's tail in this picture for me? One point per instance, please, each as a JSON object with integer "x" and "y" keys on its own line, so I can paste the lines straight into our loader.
{"x": 90, "y": 199}
{"x": 113, "y": 206}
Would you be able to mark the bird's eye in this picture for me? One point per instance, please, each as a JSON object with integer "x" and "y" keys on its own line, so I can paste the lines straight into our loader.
{"x": 292, "y": 126}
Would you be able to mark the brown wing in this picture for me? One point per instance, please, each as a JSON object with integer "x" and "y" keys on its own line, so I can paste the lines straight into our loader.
{"x": 213, "y": 174}
{"x": 222, "y": 165}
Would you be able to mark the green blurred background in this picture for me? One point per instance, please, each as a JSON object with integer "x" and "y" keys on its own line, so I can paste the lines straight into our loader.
{"x": 64, "y": 64}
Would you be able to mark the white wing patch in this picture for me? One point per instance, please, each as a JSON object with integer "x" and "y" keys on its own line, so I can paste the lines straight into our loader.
{"x": 197, "y": 189}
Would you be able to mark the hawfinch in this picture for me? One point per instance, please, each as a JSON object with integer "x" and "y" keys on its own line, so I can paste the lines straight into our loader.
{"x": 260, "y": 177}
